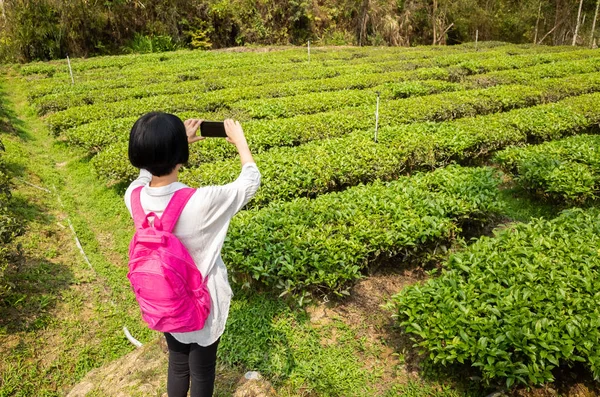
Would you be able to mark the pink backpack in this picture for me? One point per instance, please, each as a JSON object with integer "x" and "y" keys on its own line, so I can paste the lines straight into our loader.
{"x": 167, "y": 284}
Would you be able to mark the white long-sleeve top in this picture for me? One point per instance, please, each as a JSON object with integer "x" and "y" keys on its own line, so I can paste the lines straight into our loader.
{"x": 201, "y": 228}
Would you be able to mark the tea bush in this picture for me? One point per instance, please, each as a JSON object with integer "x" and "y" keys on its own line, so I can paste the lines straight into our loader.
{"x": 566, "y": 170}
{"x": 515, "y": 306}
{"x": 324, "y": 244}
{"x": 323, "y": 166}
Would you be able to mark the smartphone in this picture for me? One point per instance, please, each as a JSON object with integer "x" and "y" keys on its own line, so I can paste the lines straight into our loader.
{"x": 213, "y": 129}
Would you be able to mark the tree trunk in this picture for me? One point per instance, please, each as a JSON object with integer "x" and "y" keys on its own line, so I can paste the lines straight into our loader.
{"x": 537, "y": 23}
{"x": 363, "y": 23}
{"x": 594, "y": 24}
{"x": 546, "y": 35}
{"x": 556, "y": 19}
{"x": 442, "y": 38}
{"x": 434, "y": 21}
{"x": 578, "y": 23}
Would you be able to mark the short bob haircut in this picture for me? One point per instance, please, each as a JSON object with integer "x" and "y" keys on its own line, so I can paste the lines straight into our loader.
{"x": 158, "y": 142}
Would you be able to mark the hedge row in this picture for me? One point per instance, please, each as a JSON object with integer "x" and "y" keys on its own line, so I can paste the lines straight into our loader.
{"x": 211, "y": 59}
{"x": 227, "y": 89}
{"x": 515, "y": 306}
{"x": 333, "y": 164}
{"x": 183, "y": 61}
{"x": 321, "y": 166}
{"x": 205, "y": 98}
{"x": 292, "y": 55}
{"x": 568, "y": 169}
{"x": 184, "y": 70}
{"x": 542, "y": 71}
{"x": 233, "y": 87}
{"x": 174, "y": 62}
{"x": 96, "y": 135}
{"x": 520, "y": 61}
{"x": 261, "y": 134}
{"x": 196, "y": 63}
{"x": 438, "y": 107}
{"x": 168, "y": 82}
{"x": 202, "y": 94}
{"x": 324, "y": 244}
{"x": 183, "y": 73}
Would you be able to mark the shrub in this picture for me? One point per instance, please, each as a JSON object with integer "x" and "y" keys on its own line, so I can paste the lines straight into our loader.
{"x": 10, "y": 226}
{"x": 324, "y": 244}
{"x": 515, "y": 306}
{"x": 568, "y": 169}
{"x": 323, "y": 166}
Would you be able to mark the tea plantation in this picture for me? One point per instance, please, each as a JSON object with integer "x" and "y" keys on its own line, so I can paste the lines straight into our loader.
{"x": 457, "y": 128}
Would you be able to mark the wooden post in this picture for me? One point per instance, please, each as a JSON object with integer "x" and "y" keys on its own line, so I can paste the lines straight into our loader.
{"x": 578, "y": 23}
{"x": 476, "y": 38}
{"x": 377, "y": 117}
{"x": 70, "y": 70}
{"x": 594, "y": 24}
{"x": 308, "y": 51}
{"x": 537, "y": 23}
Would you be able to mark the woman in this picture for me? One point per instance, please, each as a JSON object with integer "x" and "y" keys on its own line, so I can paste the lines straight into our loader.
{"x": 158, "y": 146}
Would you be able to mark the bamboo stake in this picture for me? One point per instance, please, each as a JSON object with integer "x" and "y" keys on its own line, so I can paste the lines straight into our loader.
{"x": 70, "y": 70}
{"x": 377, "y": 117}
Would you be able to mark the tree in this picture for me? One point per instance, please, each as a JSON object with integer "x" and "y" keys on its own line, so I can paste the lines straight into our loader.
{"x": 594, "y": 24}
{"x": 578, "y": 22}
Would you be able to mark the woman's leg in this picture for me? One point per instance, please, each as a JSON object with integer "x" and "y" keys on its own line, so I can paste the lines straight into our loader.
{"x": 203, "y": 362}
{"x": 178, "y": 380}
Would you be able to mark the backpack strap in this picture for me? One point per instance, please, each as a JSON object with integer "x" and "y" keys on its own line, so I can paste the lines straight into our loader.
{"x": 175, "y": 207}
{"x": 139, "y": 216}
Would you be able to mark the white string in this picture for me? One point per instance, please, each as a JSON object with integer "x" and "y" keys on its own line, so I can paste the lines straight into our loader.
{"x": 128, "y": 335}
{"x": 131, "y": 339}
{"x": 32, "y": 185}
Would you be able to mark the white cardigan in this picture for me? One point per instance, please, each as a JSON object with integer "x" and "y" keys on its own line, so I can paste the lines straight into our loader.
{"x": 201, "y": 228}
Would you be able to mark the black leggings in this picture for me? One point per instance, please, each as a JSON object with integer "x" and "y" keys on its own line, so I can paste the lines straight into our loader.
{"x": 186, "y": 359}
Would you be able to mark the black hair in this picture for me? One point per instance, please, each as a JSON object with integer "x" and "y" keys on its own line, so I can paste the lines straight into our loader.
{"x": 158, "y": 143}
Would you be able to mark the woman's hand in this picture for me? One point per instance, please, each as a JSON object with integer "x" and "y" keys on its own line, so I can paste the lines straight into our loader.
{"x": 234, "y": 132}
{"x": 235, "y": 135}
{"x": 191, "y": 130}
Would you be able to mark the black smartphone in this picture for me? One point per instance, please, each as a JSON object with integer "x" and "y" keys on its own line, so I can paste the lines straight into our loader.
{"x": 213, "y": 129}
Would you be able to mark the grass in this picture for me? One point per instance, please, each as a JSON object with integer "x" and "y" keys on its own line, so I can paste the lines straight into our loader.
{"x": 297, "y": 355}
{"x": 58, "y": 321}
{"x": 519, "y": 206}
